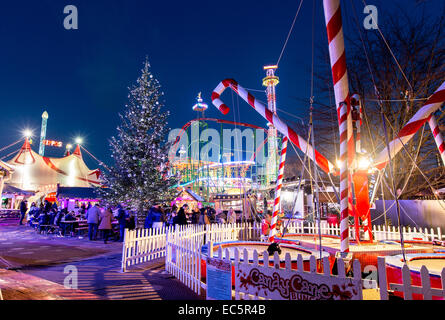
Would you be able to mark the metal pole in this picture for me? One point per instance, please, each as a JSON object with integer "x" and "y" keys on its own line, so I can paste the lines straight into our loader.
{"x": 315, "y": 199}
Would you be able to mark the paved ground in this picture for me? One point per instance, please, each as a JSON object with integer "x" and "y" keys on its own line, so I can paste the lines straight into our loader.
{"x": 36, "y": 269}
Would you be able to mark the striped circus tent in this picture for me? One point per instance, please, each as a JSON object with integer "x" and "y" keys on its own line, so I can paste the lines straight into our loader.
{"x": 34, "y": 172}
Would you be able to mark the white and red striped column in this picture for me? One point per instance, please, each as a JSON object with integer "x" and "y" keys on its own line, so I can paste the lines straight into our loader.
{"x": 299, "y": 142}
{"x": 344, "y": 182}
{"x": 337, "y": 56}
{"x": 437, "y": 136}
{"x": 413, "y": 125}
{"x": 276, "y": 205}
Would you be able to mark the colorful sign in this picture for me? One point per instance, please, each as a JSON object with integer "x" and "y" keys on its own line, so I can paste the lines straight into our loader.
{"x": 52, "y": 143}
{"x": 281, "y": 284}
{"x": 219, "y": 279}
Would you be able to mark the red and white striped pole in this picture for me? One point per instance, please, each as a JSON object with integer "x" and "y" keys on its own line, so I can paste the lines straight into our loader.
{"x": 337, "y": 56}
{"x": 344, "y": 182}
{"x": 437, "y": 136}
{"x": 276, "y": 205}
{"x": 299, "y": 142}
{"x": 413, "y": 125}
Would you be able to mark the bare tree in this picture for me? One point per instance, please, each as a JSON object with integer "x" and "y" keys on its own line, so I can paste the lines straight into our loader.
{"x": 396, "y": 86}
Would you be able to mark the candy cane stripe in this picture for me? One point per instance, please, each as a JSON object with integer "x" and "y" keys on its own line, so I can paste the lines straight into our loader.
{"x": 299, "y": 142}
{"x": 413, "y": 125}
{"x": 276, "y": 207}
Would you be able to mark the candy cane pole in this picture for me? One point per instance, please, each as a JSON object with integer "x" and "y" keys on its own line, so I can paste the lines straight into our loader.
{"x": 413, "y": 125}
{"x": 437, "y": 136}
{"x": 337, "y": 56}
{"x": 344, "y": 183}
{"x": 299, "y": 142}
{"x": 276, "y": 205}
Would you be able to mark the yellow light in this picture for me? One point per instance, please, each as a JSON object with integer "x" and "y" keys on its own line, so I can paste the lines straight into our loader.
{"x": 364, "y": 163}
{"x": 338, "y": 163}
{"x": 79, "y": 140}
{"x": 69, "y": 146}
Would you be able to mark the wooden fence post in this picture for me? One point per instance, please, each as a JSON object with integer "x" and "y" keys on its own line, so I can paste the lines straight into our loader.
{"x": 383, "y": 286}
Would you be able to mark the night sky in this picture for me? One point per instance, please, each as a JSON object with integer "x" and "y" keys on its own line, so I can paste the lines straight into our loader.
{"x": 81, "y": 76}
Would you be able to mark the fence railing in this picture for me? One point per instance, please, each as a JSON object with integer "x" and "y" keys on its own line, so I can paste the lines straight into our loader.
{"x": 143, "y": 245}
{"x": 379, "y": 232}
{"x": 268, "y": 278}
{"x": 182, "y": 249}
{"x": 407, "y": 288}
{"x": 183, "y": 255}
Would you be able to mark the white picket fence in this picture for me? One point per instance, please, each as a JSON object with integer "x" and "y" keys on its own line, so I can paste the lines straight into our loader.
{"x": 407, "y": 288}
{"x": 143, "y": 245}
{"x": 282, "y": 288}
{"x": 379, "y": 232}
{"x": 182, "y": 246}
{"x": 232, "y": 231}
{"x": 183, "y": 256}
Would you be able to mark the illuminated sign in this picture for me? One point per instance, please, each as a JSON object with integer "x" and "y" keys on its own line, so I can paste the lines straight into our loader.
{"x": 52, "y": 143}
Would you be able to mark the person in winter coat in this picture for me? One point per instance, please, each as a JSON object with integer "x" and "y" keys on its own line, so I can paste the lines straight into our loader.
{"x": 158, "y": 218}
{"x": 23, "y": 209}
{"x": 195, "y": 216}
{"x": 148, "y": 224}
{"x": 231, "y": 216}
{"x": 105, "y": 223}
{"x": 181, "y": 218}
{"x": 122, "y": 218}
{"x": 92, "y": 217}
{"x": 265, "y": 226}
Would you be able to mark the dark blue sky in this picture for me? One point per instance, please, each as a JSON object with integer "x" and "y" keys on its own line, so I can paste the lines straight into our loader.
{"x": 81, "y": 76}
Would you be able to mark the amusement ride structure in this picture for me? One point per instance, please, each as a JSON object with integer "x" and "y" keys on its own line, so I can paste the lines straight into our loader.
{"x": 229, "y": 171}
{"x": 352, "y": 174}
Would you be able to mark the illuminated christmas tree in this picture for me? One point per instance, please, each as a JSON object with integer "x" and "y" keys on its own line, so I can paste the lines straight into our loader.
{"x": 140, "y": 151}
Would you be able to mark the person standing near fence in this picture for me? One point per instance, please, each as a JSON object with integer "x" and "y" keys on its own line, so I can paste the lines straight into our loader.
{"x": 231, "y": 216}
{"x": 158, "y": 217}
{"x": 265, "y": 226}
{"x": 181, "y": 218}
{"x": 92, "y": 217}
{"x": 105, "y": 223}
{"x": 122, "y": 218}
{"x": 148, "y": 224}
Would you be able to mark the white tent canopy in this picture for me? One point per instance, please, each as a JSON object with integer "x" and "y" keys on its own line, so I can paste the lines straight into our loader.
{"x": 34, "y": 172}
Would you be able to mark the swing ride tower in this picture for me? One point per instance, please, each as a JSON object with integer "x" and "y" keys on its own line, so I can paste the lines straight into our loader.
{"x": 270, "y": 82}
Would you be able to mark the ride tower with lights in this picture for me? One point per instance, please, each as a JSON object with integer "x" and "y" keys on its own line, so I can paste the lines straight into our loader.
{"x": 43, "y": 133}
{"x": 270, "y": 82}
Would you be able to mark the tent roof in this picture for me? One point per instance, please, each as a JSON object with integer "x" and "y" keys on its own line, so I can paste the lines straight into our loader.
{"x": 194, "y": 195}
{"x": 76, "y": 192}
{"x": 8, "y": 189}
{"x": 32, "y": 171}
{"x": 5, "y": 166}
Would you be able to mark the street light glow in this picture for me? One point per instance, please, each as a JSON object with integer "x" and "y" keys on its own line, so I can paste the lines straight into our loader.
{"x": 364, "y": 163}
{"x": 79, "y": 140}
{"x": 27, "y": 133}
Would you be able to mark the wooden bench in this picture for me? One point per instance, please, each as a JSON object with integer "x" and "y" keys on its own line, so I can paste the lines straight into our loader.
{"x": 80, "y": 228}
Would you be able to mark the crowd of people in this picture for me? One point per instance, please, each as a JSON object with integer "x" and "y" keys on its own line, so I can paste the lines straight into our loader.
{"x": 114, "y": 220}
{"x": 159, "y": 216}
{"x": 49, "y": 217}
